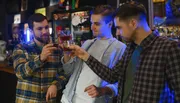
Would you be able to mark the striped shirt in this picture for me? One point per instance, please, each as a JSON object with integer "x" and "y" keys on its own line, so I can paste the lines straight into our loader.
{"x": 34, "y": 76}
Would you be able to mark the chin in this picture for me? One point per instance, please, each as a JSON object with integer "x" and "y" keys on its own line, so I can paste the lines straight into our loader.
{"x": 95, "y": 35}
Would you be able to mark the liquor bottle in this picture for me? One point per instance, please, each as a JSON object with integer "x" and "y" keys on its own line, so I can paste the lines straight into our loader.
{"x": 67, "y": 5}
{"x": 73, "y": 4}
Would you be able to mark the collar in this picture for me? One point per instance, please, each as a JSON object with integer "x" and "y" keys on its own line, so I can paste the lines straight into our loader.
{"x": 32, "y": 43}
{"x": 147, "y": 41}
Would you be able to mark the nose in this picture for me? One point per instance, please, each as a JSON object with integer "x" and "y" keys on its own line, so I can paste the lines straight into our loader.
{"x": 44, "y": 31}
{"x": 92, "y": 27}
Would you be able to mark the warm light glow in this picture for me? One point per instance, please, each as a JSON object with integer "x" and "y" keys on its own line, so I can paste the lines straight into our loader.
{"x": 158, "y": 0}
{"x": 41, "y": 11}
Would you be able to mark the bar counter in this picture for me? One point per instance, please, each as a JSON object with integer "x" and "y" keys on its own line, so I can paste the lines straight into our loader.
{"x": 6, "y": 68}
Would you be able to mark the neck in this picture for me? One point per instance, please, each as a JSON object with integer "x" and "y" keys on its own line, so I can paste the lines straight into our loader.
{"x": 141, "y": 33}
{"x": 38, "y": 43}
{"x": 104, "y": 37}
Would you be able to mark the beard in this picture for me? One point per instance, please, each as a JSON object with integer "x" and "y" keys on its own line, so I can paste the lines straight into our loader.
{"x": 45, "y": 38}
{"x": 119, "y": 37}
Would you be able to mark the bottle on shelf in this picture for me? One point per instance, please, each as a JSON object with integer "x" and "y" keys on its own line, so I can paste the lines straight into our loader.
{"x": 67, "y": 5}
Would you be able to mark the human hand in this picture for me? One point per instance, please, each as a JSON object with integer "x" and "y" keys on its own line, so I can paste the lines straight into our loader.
{"x": 79, "y": 52}
{"x": 94, "y": 91}
{"x": 47, "y": 51}
{"x": 51, "y": 92}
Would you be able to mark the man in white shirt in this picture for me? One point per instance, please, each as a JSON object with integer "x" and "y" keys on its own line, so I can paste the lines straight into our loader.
{"x": 84, "y": 85}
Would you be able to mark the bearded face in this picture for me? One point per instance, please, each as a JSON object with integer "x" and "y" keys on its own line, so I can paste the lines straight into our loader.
{"x": 41, "y": 31}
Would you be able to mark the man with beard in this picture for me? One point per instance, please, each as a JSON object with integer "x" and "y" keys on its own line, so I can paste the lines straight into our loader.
{"x": 149, "y": 70}
{"x": 37, "y": 65}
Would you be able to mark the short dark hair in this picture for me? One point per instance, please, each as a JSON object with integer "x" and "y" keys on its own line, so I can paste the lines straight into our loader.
{"x": 35, "y": 18}
{"x": 131, "y": 9}
{"x": 105, "y": 10}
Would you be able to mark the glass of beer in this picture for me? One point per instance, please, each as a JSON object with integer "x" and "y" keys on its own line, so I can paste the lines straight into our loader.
{"x": 65, "y": 38}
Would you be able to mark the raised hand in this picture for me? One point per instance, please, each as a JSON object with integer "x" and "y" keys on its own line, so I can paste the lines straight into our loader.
{"x": 47, "y": 51}
{"x": 79, "y": 52}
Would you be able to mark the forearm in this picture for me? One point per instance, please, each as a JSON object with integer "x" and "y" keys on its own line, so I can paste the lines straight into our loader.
{"x": 66, "y": 58}
{"x": 68, "y": 67}
{"x": 25, "y": 68}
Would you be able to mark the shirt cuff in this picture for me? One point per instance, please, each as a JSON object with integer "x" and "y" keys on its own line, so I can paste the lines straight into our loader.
{"x": 62, "y": 61}
{"x": 113, "y": 89}
{"x": 55, "y": 82}
{"x": 89, "y": 60}
{"x": 38, "y": 62}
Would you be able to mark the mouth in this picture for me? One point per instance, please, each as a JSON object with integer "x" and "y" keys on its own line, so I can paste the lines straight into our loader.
{"x": 95, "y": 32}
{"x": 45, "y": 36}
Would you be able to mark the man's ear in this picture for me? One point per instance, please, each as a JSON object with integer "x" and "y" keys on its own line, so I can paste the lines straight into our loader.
{"x": 134, "y": 23}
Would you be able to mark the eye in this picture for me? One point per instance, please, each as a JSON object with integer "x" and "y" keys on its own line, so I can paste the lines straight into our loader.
{"x": 47, "y": 27}
{"x": 97, "y": 23}
{"x": 40, "y": 28}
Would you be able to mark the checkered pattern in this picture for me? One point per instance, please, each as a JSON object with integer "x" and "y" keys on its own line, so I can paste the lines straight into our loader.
{"x": 157, "y": 78}
{"x": 34, "y": 77}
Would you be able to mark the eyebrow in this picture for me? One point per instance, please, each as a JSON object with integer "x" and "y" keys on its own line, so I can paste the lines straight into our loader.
{"x": 96, "y": 22}
{"x": 43, "y": 26}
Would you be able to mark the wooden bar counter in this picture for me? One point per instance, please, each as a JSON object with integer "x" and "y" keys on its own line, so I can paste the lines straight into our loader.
{"x": 6, "y": 68}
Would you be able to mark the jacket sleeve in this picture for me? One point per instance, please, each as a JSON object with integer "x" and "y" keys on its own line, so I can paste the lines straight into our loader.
{"x": 68, "y": 67}
{"x": 117, "y": 57}
{"x": 23, "y": 65}
{"x": 173, "y": 69}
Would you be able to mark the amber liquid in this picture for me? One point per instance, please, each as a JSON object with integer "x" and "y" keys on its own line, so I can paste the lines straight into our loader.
{"x": 65, "y": 38}
{"x": 66, "y": 42}
{"x": 55, "y": 45}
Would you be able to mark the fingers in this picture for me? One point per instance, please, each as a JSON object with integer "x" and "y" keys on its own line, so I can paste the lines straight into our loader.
{"x": 73, "y": 47}
{"x": 47, "y": 96}
{"x": 61, "y": 45}
{"x": 48, "y": 45}
{"x": 50, "y": 95}
{"x": 93, "y": 95}
{"x": 88, "y": 88}
{"x": 92, "y": 91}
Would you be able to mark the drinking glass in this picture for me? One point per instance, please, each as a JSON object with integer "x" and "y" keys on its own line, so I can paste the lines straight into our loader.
{"x": 65, "y": 38}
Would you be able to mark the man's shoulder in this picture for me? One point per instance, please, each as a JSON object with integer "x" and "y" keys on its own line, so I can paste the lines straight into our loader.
{"x": 88, "y": 42}
{"x": 118, "y": 43}
{"x": 25, "y": 46}
{"x": 166, "y": 41}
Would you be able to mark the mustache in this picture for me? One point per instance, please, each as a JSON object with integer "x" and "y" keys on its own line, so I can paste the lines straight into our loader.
{"x": 45, "y": 35}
